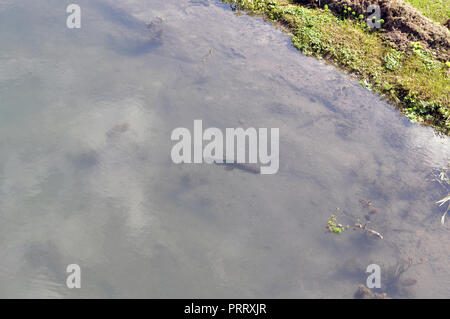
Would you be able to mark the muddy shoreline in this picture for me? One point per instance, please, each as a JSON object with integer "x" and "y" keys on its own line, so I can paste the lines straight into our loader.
{"x": 406, "y": 60}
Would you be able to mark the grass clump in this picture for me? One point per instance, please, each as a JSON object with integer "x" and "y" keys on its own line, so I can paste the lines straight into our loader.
{"x": 437, "y": 10}
{"x": 392, "y": 60}
{"x": 413, "y": 78}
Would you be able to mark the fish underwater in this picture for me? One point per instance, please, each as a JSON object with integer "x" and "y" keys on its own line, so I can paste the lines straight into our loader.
{"x": 245, "y": 167}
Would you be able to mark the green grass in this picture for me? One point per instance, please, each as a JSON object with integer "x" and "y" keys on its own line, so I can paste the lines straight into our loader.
{"x": 412, "y": 79}
{"x": 437, "y": 10}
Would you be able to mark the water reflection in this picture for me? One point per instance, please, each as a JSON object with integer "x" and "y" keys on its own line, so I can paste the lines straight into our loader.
{"x": 86, "y": 175}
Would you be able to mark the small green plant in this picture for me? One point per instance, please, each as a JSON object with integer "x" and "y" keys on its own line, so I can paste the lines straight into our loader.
{"x": 367, "y": 84}
{"x": 421, "y": 111}
{"x": 392, "y": 60}
{"x": 387, "y": 87}
{"x": 416, "y": 46}
{"x": 333, "y": 226}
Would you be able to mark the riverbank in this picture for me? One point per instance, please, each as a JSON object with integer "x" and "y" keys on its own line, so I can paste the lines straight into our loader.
{"x": 436, "y": 10}
{"x": 405, "y": 61}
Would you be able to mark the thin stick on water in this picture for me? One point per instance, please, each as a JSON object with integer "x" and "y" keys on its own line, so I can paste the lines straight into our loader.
{"x": 369, "y": 230}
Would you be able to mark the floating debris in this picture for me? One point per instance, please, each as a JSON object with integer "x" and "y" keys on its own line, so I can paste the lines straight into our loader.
{"x": 337, "y": 228}
{"x": 156, "y": 26}
{"x": 394, "y": 282}
{"x": 206, "y": 56}
{"x": 334, "y": 227}
{"x": 369, "y": 230}
{"x": 118, "y": 129}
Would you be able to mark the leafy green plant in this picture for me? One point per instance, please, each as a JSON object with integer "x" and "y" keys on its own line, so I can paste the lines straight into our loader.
{"x": 392, "y": 60}
{"x": 333, "y": 226}
{"x": 387, "y": 87}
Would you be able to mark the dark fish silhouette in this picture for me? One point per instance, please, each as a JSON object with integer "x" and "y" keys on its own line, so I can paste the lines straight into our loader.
{"x": 249, "y": 168}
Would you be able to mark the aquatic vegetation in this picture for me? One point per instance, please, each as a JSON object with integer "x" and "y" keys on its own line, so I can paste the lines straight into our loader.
{"x": 333, "y": 226}
{"x": 413, "y": 78}
{"x": 394, "y": 283}
{"x": 393, "y": 278}
{"x": 337, "y": 228}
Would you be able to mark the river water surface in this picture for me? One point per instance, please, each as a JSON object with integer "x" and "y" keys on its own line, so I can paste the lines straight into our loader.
{"x": 86, "y": 176}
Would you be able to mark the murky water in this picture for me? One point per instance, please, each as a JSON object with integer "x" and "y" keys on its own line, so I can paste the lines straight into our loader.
{"x": 86, "y": 175}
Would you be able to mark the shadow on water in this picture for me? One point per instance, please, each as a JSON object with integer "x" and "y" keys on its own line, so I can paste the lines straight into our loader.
{"x": 140, "y": 38}
{"x": 117, "y": 15}
{"x": 132, "y": 46}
